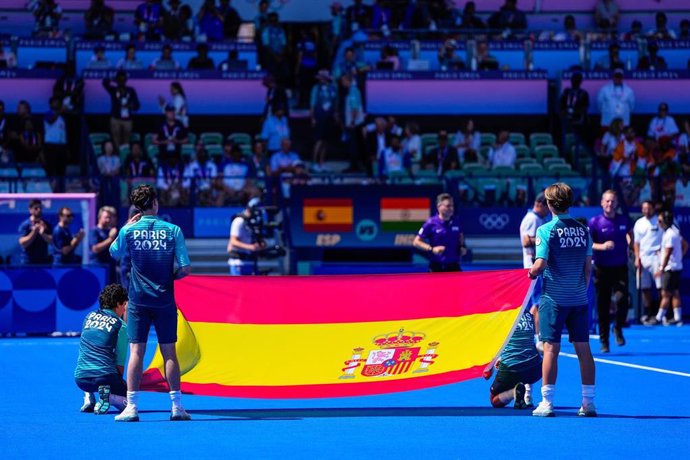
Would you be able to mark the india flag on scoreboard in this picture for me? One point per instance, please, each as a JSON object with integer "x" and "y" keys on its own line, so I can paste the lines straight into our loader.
{"x": 403, "y": 214}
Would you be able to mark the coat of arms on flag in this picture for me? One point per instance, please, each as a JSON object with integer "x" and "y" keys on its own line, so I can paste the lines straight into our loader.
{"x": 396, "y": 354}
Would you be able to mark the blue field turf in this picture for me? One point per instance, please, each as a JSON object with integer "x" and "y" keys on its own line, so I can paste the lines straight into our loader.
{"x": 642, "y": 412}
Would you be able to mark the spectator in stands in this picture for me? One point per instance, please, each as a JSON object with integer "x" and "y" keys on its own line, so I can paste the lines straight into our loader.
{"x": 234, "y": 183}
{"x": 630, "y": 158}
{"x": 634, "y": 33}
{"x": 177, "y": 21}
{"x": 606, "y": 15}
{"x": 231, "y": 19}
{"x": 350, "y": 65}
{"x": 109, "y": 166}
{"x": 394, "y": 159}
{"x": 100, "y": 239}
{"x": 55, "y": 148}
{"x": 662, "y": 32}
{"x": 615, "y": 100}
{"x": 652, "y": 61}
{"x": 261, "y": 18}
{"x": 468, "y": 141}
{"x": 570, "y": 32}
{"x": 211, "y": 21}
{"x": 574, "y": 106}
{"x": 98, "y": 20}
{"x": 274, "y": 47}
{"x": 166, "y": 60}
{"x": 502, "y": 153}
{"x": 64, "y": 242}
{"x": 358, "y": 16}
{"x": 170, "y": 136}
{"x": 612, "y": 61}
{"x": 203, "y": 172}
{"x": 666, "y": 169}
{"x": 448, "y": 58}
{"x": 484, "y": 60}
{"x": 682, "y": 191}
{"x": 99, "y": 59}
{"x": 375, "y": 142}
{"x": 412, "y": 142}
{"x": 663, "y": 125}
{"x": 69, "y": 88}
{"x": 381, "y": 16}
{"x": 307, "y": 62}
{"x": 124, "y": 102}
{"x": 130, "y": 61}
{"x": 148, "y": 17}
{"x": 612, "y": 137}
{"x": 201, "y": 61}
{"x": 47, "y": 14}
{"x": 508, "y": 19}
{"x": 7, "y": 58}
{"x": 283, "y": 161}
{"x": 260, "y": 162}
{"x": 169, "y": 182}
{"x": 26, "y": 139}
{"x": 684, "y": 33}
{"x": 233, "y": 62}
{"x": 138, "y": 166}
{"x": 324, "y": 116}
{"x": 469, "y": 18}
{"x": 179, "y": 103}
{"x": 276, "y": 96}
{"x": 274, "y": 129}
{"x": 443, "y": 158}
{"x": 683, "y": 139}
{"x": 353, "y": 117}
{"x": 35, "y": 234}
{"x": 336, "y": 29}
{"x": 6, "y": 156}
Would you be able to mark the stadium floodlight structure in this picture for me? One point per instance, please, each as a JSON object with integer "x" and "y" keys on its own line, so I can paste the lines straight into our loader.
{"x": 83, "y": 203}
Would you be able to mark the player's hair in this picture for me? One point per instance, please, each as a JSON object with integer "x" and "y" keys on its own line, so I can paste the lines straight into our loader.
{"x": 442, "y": 197}
{"x": 62, "y": 210}
{"x": 142, "y": 197}
{"x": 559, "y": 196}
{"x": 111, "y": 295}
{"x": 667, "y": 218}
{"x": 610, "y": 192}
{"x": 35, "y": 202}
{"x": 109, "y": 209}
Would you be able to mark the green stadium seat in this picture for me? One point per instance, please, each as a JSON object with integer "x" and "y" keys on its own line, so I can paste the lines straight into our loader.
{"x": 503, "y": 171}
{"x": 488, "y": 138}
{"x": 521, "y": 161}
{"x": 532, "y": 169}
{"x": 148, "y": 139}
{"x": 188, "y": 149}
{"x": 537, "y": 139}
{"x": 98, "y": 138}
{"x": 544, "y": 151}
{"x": 215, "y": 150}
{"x": 522, "y": 151}
{"x": 211, "y": 138}
{"x": 547, "y": 162}
{"x": 240, "y": 138}
{"x": 516, "y": 138}
{"x": 134, "y": 137}
{"x": 427, "y": 139}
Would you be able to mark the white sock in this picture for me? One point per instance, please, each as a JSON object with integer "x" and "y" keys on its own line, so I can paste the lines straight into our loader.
{"x": 90, "y": 396}
{"x": 133, "y": 399}
{"x": 587, "y": 394}
{"x": 547, "y": 393}
{"x": 528, "y": 392}
{"x": 661, "y": 314}
{"x": 506, "y": 396}
{"x": 176, "y": 397}
{"x": 678, "y": 314}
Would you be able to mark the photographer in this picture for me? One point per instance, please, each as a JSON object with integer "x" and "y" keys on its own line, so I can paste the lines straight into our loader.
{"x": 244, "y": 241}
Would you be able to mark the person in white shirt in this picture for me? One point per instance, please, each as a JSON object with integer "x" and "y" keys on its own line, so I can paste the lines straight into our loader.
{"x": 179, "y": 103}
{"x": 130, "y": 61}
{"x": 468, "y": 141}
{"x": 663, "y": 125}
{"x": 616, "y": 100}
{"x": 412, "y": 142}
{"x": 647, "y": 242}
{"x": 503, "y": 153}
{"x": 682, "y": 191}
{"x": 673, "y": 248}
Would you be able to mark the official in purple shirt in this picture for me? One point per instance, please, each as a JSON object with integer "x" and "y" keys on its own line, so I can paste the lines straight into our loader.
{"x": 611, "y": 238}
{"x": 441, "y": 236}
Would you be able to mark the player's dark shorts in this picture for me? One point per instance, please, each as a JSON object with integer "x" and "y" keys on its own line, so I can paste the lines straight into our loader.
{"x": 164, "y": 320}
{"x": 552, "y": 318}
{"x": 91, "y": 384}
{"x": 444, "y": 267}
{"x": 670, "y": 281}
{"x": 506, "y": 379}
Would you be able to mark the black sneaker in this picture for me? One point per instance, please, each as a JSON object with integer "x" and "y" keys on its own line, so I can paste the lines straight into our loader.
{"x": 620, "y": 340}
{"x": 519, "y": 396}
{"x": 104, "y": 403}
{"x": 605, "y": 347}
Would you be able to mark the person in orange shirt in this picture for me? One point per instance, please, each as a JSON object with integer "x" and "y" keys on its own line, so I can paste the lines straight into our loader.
{"x": 630, "y": 158}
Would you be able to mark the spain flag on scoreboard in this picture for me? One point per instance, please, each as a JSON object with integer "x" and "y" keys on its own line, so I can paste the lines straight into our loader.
{"x": 327, "y": 215}
{"x": 404, "y": 214}
{"x": 261, "y": 337}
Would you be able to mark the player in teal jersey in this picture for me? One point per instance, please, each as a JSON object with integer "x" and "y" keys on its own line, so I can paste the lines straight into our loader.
{"x": 154, "y": 247}
{"x": 564, "y": 257}
{"x": 518, "y": 367}
{"x": 102, "y": 352}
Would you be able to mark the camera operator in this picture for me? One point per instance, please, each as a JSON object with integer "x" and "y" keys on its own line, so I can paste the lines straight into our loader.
{"x": 244, "y": 241}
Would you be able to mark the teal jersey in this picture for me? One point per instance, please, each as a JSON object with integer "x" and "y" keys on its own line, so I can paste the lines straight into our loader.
{"x": 565, "y": 244}
{"x": 520, "y": 352}
{"x": 153, "y": 246}
{"x": 103, "y": 345}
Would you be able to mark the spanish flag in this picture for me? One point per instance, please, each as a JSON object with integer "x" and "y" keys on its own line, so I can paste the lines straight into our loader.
{"x": 327, "y": 215}
{"x": 313, "y": 337}
{"x": 404, "y": 214}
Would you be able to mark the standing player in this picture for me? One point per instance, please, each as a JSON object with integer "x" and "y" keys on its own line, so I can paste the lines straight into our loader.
{"x": 528, "y": 233}
{"x": 154, "y": 247}
{"x": 102, "y": 352}
{"x": 444, "y": 238}
{"x": 647, "y": 241}
{"x": 611, "y": 235}
{"x": 518, "y": 368}
{"x": 673, "y": 248}
{"x": 564, "y": 257}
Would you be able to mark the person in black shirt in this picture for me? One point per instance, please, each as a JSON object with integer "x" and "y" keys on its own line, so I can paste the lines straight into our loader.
{"x": 201, "y": 61}
{"x": 64, "y": 242}
{"x": 123, "y": 103}
{"x": 5, "y": 153}
{"x": 35, "y": 234}
{"x": 574, "y": 106}
{"x": 170, "y": 136}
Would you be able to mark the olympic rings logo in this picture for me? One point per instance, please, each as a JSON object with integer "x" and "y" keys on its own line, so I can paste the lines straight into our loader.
{"x": 494, "y": 221}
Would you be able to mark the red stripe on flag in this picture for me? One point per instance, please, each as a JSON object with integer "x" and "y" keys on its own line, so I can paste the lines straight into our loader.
{"x": 327, "y": 227}
{"x": 325, "y": 202}
{"x": 347, "y": 299}
{"x": 405, "y": 203}
{"x": 329, "y": 390}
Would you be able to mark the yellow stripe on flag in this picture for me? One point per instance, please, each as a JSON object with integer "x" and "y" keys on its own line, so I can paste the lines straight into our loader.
{"x": 327, "y": 215}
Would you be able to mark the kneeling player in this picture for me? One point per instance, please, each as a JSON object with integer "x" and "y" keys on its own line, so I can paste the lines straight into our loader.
{"x": 102, "y": 353}
{"x": 518, "y": 368}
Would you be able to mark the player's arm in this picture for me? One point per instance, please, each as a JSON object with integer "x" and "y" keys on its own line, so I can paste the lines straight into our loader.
{"x": 542, "y": 253}
{"x": 420, "y": 244}
{"x": 588, "y": 261}
{"x": 119, "y": 245}
{"x": 121, "y": 349}
{"x": 184, "y": 265}
{"x": 26, "y": 240}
